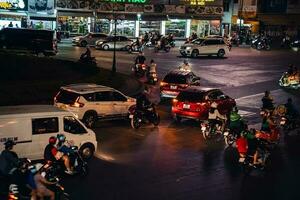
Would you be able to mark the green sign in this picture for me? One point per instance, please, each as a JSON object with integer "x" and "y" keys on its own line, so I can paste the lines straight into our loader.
{"x": 128, "y": 1}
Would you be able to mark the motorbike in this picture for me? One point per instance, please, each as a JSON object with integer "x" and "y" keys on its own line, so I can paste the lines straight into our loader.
{"x": 172, "y": 43}
{"x": 263, "y": 159}
{"x": 138, "y": 117}
{"x": 139, "y": 70}
{"x": 290, "y": 126}
{"x": 87, "y": 60}
{"x": 210, "y": 130}
{"x": 263, "y": 44}
{"x": 135, "y": 48}
{"x": 76, "y": 160}
{"x": 158, "y": 48}
{"x": 152, "y": 78}
{"x": 293, "y": 84}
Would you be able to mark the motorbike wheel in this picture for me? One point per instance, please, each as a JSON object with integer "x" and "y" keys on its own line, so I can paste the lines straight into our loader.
{"x": 167, "y": 49}
{"x": 259, "y": 47}
{"x": 268, "y": 47}
{"x": 156, "y": 119}
{"x": 135, "y": 122}
{"x": 62, "y": 196}
{"x": 206, "y": 135}
{"x": 229, "y": 140}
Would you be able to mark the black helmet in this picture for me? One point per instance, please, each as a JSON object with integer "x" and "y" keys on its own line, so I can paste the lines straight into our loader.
{"x": 9, "y": 144}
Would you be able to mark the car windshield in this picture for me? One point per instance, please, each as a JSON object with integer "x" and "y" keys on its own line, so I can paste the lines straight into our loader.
{"x": 175, "y": 78}
{"x": 191, "y": 96}
{"x": 66, "y": 97}
{"x": 197, "y": 41}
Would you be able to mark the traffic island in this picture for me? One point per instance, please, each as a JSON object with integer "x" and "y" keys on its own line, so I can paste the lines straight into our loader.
{"x": 36, "y": 80}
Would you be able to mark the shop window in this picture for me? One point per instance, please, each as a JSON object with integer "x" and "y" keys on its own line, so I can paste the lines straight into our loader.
{"x": 149, "y": 26}
{"x": 126, "y": 28}
{"x": 176, "y": 27}
{"x": 102, "y": 26}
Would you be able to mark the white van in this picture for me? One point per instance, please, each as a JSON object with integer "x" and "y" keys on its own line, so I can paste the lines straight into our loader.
{"x": 30, "y": 126}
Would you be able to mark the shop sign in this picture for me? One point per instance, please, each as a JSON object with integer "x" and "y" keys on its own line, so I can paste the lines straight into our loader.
{"x": 204, "y": 10}
{"x": 41, "y": 6}
{"x": 175, "y": 9}
{"x": 203, "y": 2}
{"x": 128, "y": 1}
{"x": 13, "y": 4}
{"x": 134, "y": 8}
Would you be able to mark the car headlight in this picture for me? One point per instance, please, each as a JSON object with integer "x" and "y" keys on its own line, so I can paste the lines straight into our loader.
{"x": 188, "y": 48}
{"x": 77, "y": 39}
{"x": 99, "y": 43}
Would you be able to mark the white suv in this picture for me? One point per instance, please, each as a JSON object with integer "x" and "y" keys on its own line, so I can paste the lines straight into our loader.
{"x": 90, "y": 102}
{"x": 207, "y": 46}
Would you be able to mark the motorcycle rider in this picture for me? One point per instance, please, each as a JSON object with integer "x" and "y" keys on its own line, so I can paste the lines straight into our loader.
{"x": 242, "y": 145}
{"x": 252, "y": 146}
{"x": 140, "y": 59}
{"x": 236, "y": 122}
{"x": 86, "y": 56}
{"x": 267, "y": 101}
{"x": 267, "y": 124}
{"x": 61, "y": 144}
{"x": 291, "y": 111}
{"x": 143, "y": 103}
{"x": 185, "y": 66}
{"x": 152, "y": 67}
{"x": 52, "y": 154}
{"x": 8, "y": 158}
{"x": 215, "y": 117}
{"x": 41, "y": 183}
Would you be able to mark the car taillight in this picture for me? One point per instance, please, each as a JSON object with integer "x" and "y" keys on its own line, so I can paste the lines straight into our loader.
{"x": 175, "y": 101}
{"x": 184, "y": 85}
{"x": 77, "y": 104}
{"x": 199, "y": 106}
{"x": 163, "y": 84}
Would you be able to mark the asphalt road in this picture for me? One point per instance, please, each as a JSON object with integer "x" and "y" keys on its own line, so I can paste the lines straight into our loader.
{"x": 173, "y": 161}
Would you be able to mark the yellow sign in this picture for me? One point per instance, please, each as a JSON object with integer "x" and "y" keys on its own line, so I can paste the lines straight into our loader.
{"x": 5, "y": 5}
{"x": 198, "y": 2}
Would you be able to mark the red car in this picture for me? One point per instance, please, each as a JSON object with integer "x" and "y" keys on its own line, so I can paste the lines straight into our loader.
{"x": 194, "y": 103}
{"x": 176, "y": 81}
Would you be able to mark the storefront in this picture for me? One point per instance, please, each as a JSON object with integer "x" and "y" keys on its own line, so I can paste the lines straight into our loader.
{"x": 13, "y": 15}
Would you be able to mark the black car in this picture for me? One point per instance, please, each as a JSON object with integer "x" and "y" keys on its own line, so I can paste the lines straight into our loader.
{"x": 28, "y": 40}
{"x": 176, "y": 81}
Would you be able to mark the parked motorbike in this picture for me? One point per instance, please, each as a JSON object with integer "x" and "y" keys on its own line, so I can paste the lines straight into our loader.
{"x": 139, "y": 70}
{"x": 158, "y": 48}
{"x": 139, "y": 117}
{"x": 263, "y": 44}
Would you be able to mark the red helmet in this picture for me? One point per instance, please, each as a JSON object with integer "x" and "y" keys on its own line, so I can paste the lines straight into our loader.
{"x": 52, "y": 140}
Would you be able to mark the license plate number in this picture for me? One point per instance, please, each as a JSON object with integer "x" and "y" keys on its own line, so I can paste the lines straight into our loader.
{"x": 173, "y": 87}
{"x": 186, "y": 106}
{"x": 130, "y": 116}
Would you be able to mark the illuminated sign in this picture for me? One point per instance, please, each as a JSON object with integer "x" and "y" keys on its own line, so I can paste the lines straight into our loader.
{"x": 127, "y": 1}
{"x": 13, "y": 4}
{"x": 199, "y": 2}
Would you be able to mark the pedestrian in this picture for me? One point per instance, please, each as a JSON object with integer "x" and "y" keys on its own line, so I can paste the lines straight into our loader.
{"x": 10, "y": 25}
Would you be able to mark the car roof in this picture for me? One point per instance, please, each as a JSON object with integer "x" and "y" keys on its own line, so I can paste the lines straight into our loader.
{"x": 85, "y": 88}
{"x": 29, "y": 109}
{"x": 200, "y": 89}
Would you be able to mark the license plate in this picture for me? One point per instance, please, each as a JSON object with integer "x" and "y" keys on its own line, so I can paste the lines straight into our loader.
{"x": 186, "y": 106}
{"x": 226, "y": 133}
{"x": 282, "y": 122}
{"x": 130, "y": 116}
{"x": 203, "y": 128}
{"x": 173, "y": 87}
{"x": 241, "y": 160}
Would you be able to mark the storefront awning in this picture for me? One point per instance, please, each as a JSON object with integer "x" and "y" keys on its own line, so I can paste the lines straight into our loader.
{"x": 13, "y": 13}
{"x": 74, "y": 13}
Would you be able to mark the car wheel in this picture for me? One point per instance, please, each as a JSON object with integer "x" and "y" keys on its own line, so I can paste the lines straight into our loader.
{"x": 105, "y": 47}
{"x": 89, "y": 119}
{"x": 195, "y": 53}
{"x": 127, "y": 48}
{"x": 83, "y": 43}
{"x": 178, "y": 119}
{"x": 87, "y": 151}
{"x": 221, "y": 53}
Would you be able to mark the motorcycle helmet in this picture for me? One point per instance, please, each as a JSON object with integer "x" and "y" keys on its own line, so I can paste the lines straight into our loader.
{"x": 234, "y": 116}
{"x": 61, "y": 137}
{"x": 52, "y": 140}
{"x": 185, "y": 62}
{"x": 9, "y": 144}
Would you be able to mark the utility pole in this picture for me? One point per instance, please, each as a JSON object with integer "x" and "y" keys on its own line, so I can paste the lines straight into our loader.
{"x": 241, "y": 14}
{"x": 114, "y": 67}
